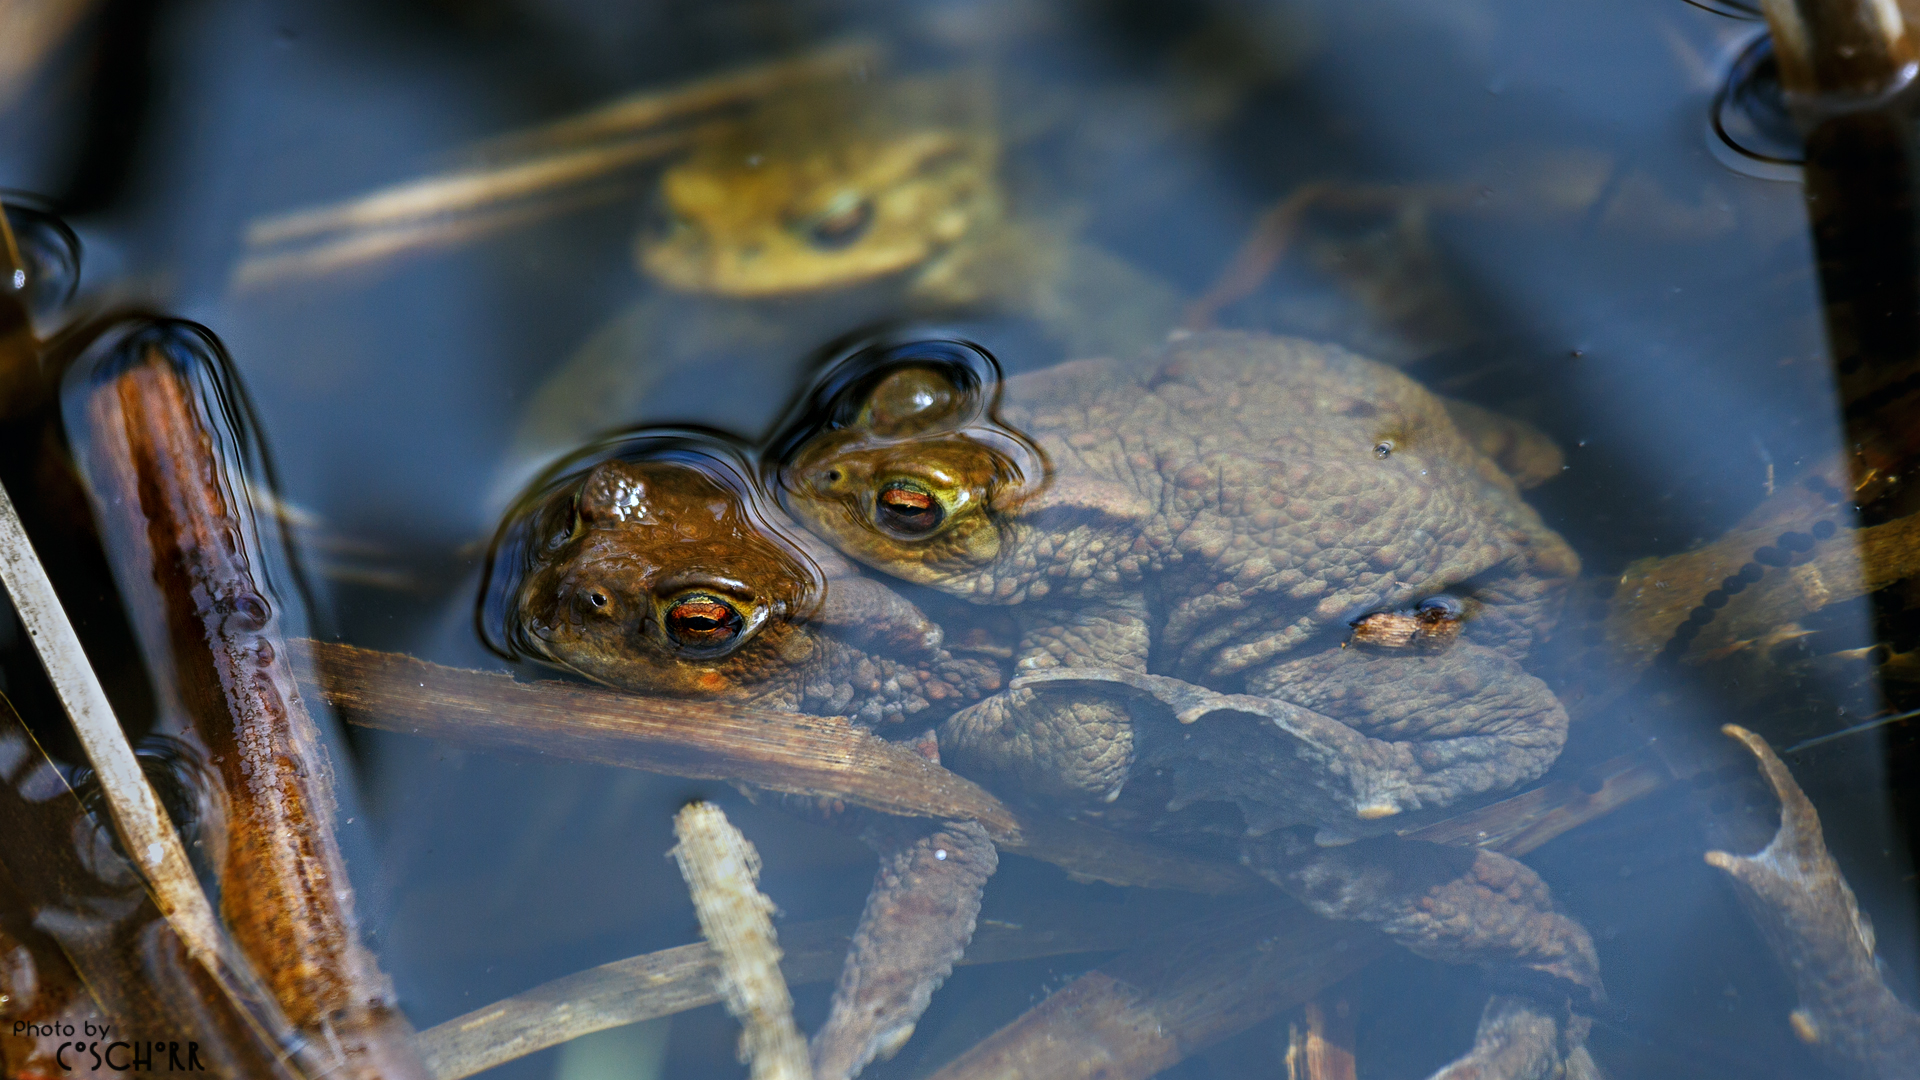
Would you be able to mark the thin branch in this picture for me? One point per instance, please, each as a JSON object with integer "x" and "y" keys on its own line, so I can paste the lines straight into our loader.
{"x": 818, "y": 757}
{"x": 682, "y": 978}
{"x": 157, "y": 440}
{"x": 653, "y": 108}
{"x": 144, "y": 829}
{"x": 722, "y": 870}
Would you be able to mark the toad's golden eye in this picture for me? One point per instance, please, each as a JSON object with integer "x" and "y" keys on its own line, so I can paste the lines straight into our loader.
{"x": 703, "y": 621}
{"x": 907, "y": 509}
{"x": 843, "y": 222}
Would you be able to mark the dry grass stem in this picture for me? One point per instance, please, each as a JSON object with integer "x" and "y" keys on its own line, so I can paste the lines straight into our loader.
{"x": 144, "y": 828}
{"x": 723, "y": 874}
{"x": 457, "y": 192}
{"x": 455, "y": 207}
{"x": 653, "y": 108}
{"x": 675, "y": 980}
{"x": 375, "y": 245}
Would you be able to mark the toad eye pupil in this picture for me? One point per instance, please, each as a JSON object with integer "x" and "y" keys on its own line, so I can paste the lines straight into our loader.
{"x": 1384, "y": 448}
{"x": 597, "y": 598}
{"x": 909, "y": 510}
{"x": 840, "y": 226}
{"x": 703, "y": 621}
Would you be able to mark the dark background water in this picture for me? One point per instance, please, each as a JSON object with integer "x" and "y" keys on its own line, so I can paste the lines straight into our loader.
{"x": 1633, "y": 288}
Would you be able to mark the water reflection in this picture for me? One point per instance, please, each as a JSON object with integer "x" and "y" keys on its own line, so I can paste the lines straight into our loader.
{"x": 1568, "y": 259}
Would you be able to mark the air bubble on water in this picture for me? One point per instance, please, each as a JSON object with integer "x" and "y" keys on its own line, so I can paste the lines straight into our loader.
{"x": 1749, "y": 129}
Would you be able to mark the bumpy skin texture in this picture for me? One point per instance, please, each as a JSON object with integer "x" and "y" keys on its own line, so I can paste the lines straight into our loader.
{"x": 667, "y": 580}
{"x": 918, "y": 919}
{"x": 1202, "y": 516}
{"x": 813, "y": 635}
{"x": 1218, "y": 519}
{"x": 1462, "y": 905}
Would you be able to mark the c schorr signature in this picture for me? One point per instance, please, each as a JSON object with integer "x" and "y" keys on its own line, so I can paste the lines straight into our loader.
{"x": 92, "y": 1050}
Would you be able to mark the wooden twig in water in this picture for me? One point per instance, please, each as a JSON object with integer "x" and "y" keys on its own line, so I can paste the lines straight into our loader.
{"x": 723, "y": 874}
{"x": 818, "y": 757}
{"x": 457, "y": 206}
{"x": 150, "y": 425}
{"x": 143, "y": 827}
{"x": 675, "y": 980}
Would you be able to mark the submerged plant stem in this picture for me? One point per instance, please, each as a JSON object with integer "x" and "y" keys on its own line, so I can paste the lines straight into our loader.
{"x": 723, "y": 874}
{"x": 144, "y": 829}
{"x": 674, "y": 980}
{"x": 814, "y": 756}
{"x": 159, "y": 461}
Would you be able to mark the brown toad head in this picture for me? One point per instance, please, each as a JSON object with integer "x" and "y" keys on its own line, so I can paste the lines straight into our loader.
{"x": 920, "y": 482}
{"x": 660, "y": 576}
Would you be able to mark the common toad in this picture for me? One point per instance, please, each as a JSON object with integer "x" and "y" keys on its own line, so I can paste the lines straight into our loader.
{"x": 823, "y": 213}
{"x": 1205, "y": 531}
{"x": 660, "y": 572}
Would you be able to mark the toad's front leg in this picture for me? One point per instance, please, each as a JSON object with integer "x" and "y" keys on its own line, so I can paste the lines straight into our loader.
{"x": 918, "y": 920}
{"x": 1463, "y": 905}
{"x": 1074, "y": 744}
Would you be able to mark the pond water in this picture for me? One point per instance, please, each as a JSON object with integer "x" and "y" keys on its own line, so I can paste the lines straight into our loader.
{"x": 1586, "y": 218}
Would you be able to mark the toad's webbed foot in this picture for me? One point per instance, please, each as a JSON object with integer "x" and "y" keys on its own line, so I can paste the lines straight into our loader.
{"x": 918, "y": 920}
{"x": 1463, "y": 905}
{"x": 1808, "y": 914}
{"x": 1518, "y": 1039}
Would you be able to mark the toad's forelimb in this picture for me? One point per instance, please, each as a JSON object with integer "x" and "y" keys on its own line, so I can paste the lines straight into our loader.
{"x": 1076, "y": 744}
{"x": 918, "y": 920}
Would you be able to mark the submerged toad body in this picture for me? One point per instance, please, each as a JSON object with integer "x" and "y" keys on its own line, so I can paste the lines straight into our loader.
{"x": 824, "y": 213}
{"x": 1206, "y": 531}
{"x": 663, "y": 576}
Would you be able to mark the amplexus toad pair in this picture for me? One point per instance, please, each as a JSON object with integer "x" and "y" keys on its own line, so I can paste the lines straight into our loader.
{"x": 1255, "y": 593}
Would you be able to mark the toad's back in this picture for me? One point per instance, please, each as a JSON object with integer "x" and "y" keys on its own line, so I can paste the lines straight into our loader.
{"x": 1275, "y": 487}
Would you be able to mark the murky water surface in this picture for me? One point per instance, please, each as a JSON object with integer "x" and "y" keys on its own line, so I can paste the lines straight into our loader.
{"x": 722, "y": 358}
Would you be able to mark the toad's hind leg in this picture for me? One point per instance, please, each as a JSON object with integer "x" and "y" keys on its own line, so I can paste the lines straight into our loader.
{"x": 918, "y": 920}
{"x": 1463, "y": 905}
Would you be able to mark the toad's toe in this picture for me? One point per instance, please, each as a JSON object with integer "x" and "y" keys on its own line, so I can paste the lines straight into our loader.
{"x": 1520, "y": 1040}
